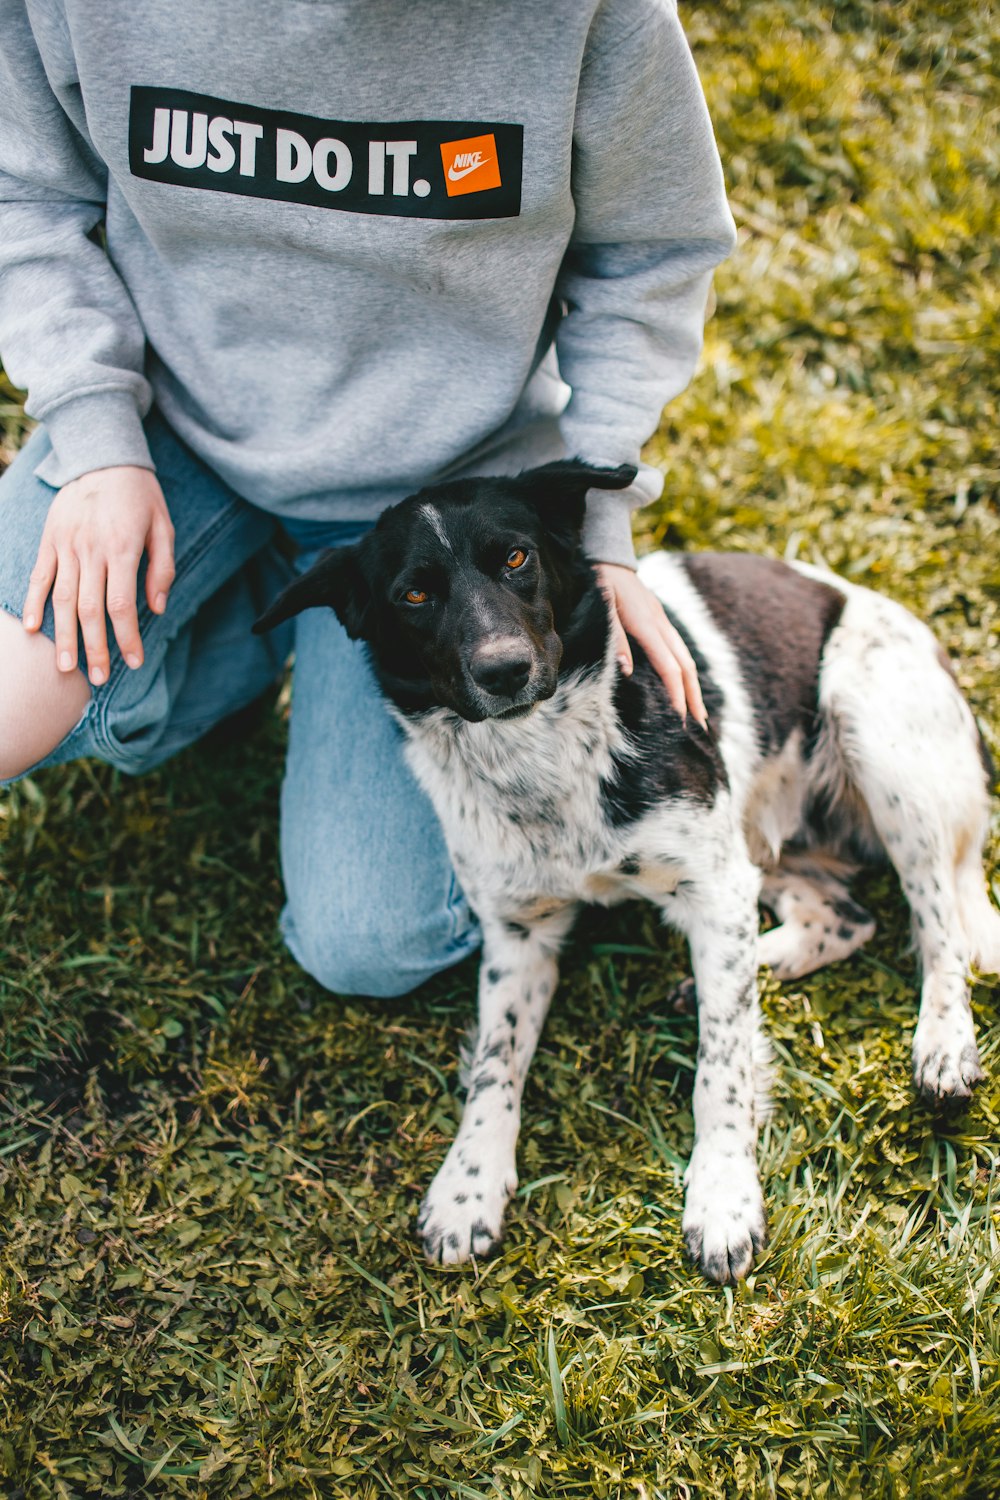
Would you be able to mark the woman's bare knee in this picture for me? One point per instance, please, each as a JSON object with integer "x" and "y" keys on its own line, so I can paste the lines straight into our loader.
{"x": 39, "y": 705}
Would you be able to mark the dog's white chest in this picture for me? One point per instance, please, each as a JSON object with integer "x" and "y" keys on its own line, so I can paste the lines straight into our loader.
{"x": 523, "y": 811}
{"x": 521, "y": 803}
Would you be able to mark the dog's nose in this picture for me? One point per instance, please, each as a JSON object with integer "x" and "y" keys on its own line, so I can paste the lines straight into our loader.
{"x": 501, "y": 668}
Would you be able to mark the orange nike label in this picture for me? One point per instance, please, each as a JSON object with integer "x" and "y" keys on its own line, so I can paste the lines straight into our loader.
{"x": 470, "y": 166}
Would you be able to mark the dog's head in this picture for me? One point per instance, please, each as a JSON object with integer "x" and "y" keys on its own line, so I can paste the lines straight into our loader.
{"x": 464, "y": 592}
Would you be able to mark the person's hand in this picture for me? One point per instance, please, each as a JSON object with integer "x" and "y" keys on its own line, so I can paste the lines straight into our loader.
{"x": 96, "y": 531}
{"x": 635, "y": 609}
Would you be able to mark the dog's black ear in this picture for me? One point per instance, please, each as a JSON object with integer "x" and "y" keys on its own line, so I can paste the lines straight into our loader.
{"x": 559, "y": 490}
{"x": 568, "y": 476}
{"x": 335, "y": 580}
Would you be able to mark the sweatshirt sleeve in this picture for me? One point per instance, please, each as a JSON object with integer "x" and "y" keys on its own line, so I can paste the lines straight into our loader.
{"x": 652, "y": 222}
{"x": 69, "y": 332}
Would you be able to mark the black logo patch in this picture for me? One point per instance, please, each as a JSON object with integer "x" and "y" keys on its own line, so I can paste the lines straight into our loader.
{"x": 420, "y": 169}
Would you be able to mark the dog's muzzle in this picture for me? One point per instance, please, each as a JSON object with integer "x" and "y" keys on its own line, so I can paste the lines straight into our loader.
{"x": 503, "y": 678}
{"x": 502, "y": 668}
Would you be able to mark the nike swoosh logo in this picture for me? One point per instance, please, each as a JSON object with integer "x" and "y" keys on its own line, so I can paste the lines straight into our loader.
{"x": 464, "y": 171}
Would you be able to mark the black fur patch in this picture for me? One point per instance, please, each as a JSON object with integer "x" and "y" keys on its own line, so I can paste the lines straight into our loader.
{"x": 778, "y": 622}
{"x": 669, "y": 758}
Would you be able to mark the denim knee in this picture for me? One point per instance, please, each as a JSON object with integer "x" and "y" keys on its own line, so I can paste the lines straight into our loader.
{"x": 375, "y": 950}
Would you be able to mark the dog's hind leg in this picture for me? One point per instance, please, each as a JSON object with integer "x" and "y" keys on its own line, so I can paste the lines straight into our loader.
{"x": 910, "y": 747}
{"x": 945, "y": 1057}
{"x": 955, "y": 927}
{"x": 462, "y": 1212}
{"x": 980, "y": 917}
{"x": 819, "y": 923}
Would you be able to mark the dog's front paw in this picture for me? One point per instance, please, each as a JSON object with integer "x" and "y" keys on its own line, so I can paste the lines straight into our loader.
{"x": 724, "y": 1222}
{"x": 945, "y": 1065}
{"x": 462, "y": 1213}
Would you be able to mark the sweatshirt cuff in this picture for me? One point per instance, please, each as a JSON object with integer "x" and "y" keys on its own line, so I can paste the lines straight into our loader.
{"x": 607, "y": 525}
{"x": 99, "y": 431}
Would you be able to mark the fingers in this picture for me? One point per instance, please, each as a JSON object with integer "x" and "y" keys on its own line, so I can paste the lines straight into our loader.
{"x": 90, "y": 608}
{"x": 80, "y": 593}
{"x": 634, "y": 611}
{"x": 65, "y": 594}
{"x": 77, "y": 606}
{"x": 623, "y": 651}
{"x": 42, "y": 576}
{"x": 668, "y": 669}
{"x": 122, "y": 574}
{"x": 160, "y": 572}
{"x": 96, "y": 531}
{"x": 692, "y": 691}
{"x": 675, "y": 665}
{"x": 689, "y": 676}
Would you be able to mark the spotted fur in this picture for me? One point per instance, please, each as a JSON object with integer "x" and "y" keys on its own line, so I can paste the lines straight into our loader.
{"x": 559, "y": 782}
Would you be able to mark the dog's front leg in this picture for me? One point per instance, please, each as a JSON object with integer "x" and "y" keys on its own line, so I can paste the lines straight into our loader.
{"x": 724, "y": 1220}
{"x": 462, "y": 1213}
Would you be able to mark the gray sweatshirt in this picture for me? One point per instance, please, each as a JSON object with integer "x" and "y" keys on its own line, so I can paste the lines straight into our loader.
{"x": 351, "y": 246}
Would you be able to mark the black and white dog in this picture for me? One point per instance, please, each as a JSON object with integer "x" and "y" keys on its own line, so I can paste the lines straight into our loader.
{"x": 836, "y": 735}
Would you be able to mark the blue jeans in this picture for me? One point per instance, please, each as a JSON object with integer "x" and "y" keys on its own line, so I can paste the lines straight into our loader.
{"x": 373, "y": 906}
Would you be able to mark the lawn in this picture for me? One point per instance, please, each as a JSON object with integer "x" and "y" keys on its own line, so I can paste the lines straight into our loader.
{"x": 210, "y": 1169}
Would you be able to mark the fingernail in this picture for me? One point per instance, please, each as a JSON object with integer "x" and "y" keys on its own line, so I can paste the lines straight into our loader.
{"x": 96, "y": 676}
{"x": 160, "y": 604}
{"x": 30, "y": 622}
{"x": 625, "y": 664}
{"x": 133, "y": 661}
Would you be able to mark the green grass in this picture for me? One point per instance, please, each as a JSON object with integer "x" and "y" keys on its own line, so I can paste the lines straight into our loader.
{"x": 209, "y": 1282}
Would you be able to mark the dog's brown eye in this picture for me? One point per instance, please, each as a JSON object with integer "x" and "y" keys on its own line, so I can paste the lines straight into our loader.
{"x": 517, "y": 558}
{"x": 416, "y": 596}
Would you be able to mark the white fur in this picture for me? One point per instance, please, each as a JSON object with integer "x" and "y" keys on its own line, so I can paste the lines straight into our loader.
{"x": 434, "y": 521}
